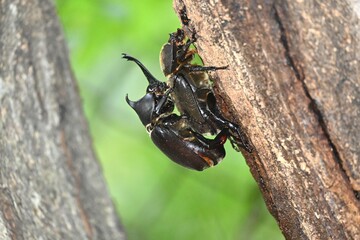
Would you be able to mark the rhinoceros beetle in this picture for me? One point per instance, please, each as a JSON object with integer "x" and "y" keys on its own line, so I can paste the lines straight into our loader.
{"x": 189, "y": 89}
{"x": 171, "y": 133}
{"x": 192, "y": 91}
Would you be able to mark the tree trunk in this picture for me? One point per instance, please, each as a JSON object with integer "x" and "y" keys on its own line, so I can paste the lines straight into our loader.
{"x": 293, "y": 84}
{"x": 51, "y": 183}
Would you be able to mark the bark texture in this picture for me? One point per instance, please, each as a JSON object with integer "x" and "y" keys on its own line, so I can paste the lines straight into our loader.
{"x": 293, "y": 83}
{"x": 51, "y": 183}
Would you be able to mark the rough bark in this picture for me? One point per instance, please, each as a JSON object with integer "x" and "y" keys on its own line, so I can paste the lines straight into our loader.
{"x": 51, "y": 183}
{"x": 293, "y": 83}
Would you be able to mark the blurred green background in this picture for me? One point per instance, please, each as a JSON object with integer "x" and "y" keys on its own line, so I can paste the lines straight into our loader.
{"x": 155, "y": 198}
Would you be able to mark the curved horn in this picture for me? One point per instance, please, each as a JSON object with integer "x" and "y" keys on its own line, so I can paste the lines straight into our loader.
{"x": 131, "y": 103}
{"x": 151, "y": 79}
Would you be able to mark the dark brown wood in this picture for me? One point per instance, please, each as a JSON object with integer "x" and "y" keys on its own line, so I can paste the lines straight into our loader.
{"x": 293, "y": 83}
{"x": 51, "y": 185}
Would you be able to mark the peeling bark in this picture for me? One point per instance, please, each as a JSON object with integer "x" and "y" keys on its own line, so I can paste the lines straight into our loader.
{"x": 51, "y": 183}
{"x": 293, "y": 84}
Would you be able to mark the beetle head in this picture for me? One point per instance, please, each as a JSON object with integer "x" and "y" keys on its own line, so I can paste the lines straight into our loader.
{"x": 155, "y": 101}
{"x": 144, "y": 107}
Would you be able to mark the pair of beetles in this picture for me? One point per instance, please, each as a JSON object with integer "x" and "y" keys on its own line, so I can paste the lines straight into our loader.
{"x": 188, "y": 88}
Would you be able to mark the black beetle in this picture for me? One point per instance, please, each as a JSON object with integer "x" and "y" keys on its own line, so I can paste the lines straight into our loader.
{"x": 171, "y": 133}
{"x": 192, "y": 91}
{"x": 189, "y": 89}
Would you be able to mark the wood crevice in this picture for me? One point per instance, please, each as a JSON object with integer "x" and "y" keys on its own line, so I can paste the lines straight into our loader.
{"x": 299, "y": 74}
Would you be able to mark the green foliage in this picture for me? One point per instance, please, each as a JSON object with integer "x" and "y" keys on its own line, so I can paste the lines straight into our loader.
{"x": 155, "y": 198}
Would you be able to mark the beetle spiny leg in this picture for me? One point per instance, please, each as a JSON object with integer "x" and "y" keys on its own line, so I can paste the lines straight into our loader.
{"x": 237, "y": 137}
{"x": 219, "y": 140}
{"x": 196, "y": 68}
{"x": 184, "y": 51}
{"x": 162, "y": 101}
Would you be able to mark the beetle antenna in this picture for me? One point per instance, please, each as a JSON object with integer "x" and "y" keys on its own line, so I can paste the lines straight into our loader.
{"x": 151, "y": 79}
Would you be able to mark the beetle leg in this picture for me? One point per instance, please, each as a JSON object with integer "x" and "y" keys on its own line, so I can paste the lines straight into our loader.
{"x": 162, "y": 101}
{"x": 196, "y": 68}
{"x": 185, "y": 55}
{"x": 237, "y": 137}
{"x": 219, "y": 140}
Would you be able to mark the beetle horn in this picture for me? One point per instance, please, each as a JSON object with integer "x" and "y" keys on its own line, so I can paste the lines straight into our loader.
{"x": 151, "y": 79}
{"x": 144, "y": 107}
{"x": 132, "y": 104}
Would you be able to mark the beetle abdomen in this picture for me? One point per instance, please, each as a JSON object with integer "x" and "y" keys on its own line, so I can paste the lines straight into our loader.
{"x": 188, "y": 152}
